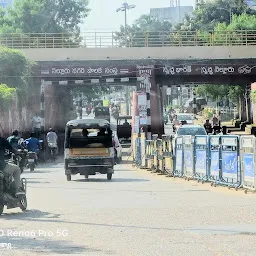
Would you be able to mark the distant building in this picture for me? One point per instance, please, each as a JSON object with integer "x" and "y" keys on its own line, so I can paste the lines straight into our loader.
{"x": 6, "y": 3}
{"x": 174, "y": 14}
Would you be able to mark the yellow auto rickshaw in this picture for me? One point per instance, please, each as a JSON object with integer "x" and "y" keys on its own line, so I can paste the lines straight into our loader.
{"x": 89, "y": 148}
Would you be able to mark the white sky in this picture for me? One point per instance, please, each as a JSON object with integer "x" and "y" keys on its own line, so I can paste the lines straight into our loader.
{"x": 103, "y": 15}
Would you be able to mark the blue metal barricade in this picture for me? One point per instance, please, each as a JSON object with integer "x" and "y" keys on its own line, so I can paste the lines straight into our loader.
{"x": 247, "y": 152}
{"x": 214, "y": 159}
{"x": 201, "y": 158}
{"x": 160, "y": 158}
{"x": 134, "y": 154}
{"x": 155, "y": 153}
{"x": 143, "y": 150}
{"x": 179, "y": 158}
{"x": 148, "y": 156}
{"x": 138, "y": 152}
{"x": 230, "y": 166}
{"x": 188, "y": 157}
{"x": 168, "y": 155}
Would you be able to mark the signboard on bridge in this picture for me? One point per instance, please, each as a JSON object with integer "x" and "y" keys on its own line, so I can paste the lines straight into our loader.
{"x": 88, "y": 71}
{"x": 132, "y": 70}
{"x": 193, "y": 69}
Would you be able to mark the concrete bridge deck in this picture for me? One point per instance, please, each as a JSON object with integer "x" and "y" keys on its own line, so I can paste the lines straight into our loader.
{"x": 140, "y": 53}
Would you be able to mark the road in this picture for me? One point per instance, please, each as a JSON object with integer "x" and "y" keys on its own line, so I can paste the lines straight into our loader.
{"x": 137, "y": 213}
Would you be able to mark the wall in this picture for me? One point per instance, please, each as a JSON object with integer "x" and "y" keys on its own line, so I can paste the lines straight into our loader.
{"x": 165, "y": 53}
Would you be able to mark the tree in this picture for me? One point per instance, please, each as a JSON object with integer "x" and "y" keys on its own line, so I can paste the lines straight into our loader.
{"x": 61, "y": 18}
{"x": 207, "y": 15}
{"x": 6, "y": 96}
{"x": 15, "y": 71}
{"x": 146, "y": 31}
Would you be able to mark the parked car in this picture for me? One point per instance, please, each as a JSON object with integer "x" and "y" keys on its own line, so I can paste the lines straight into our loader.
{"x": 188, "y": 118}
{"x": 191, "y": 130}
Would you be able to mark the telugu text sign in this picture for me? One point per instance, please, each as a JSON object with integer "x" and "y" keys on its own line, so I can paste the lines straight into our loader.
{"x": 193, "y": 69}
{"x": 87, "y": 71}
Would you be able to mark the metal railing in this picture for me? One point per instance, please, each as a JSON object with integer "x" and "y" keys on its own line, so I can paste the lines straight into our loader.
{"x": 138, "y": 39}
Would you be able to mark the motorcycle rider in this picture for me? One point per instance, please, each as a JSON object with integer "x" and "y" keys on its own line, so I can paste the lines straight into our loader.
{"x": 33, "y": 144}
{"x": 52, "y": 137}
{"x": 208, "y": 126}
{"x": 14, "y": 139}
{"x": 7, "y": 168}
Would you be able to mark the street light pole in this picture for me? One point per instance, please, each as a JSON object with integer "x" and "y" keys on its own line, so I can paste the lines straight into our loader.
{"x": 125, "y": 6}
{"x": 125, "y": 26}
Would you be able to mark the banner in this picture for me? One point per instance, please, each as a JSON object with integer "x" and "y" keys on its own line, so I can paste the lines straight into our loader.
{"x": 188, "y": 156}
{"x": 248, "y": 167}
{"x": 214, "y": 163}
{"x": 201, "y": 161}
{"x": 229, "y": 165}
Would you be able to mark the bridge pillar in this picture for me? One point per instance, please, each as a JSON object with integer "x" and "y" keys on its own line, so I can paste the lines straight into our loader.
{"x": 55, "y": 105}
{"x": 149, "y": 107}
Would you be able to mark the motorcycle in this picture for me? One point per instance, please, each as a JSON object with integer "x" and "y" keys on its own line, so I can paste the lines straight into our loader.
{"x": 7, "y": 193}
{"x": 32, "y": 157}
{"x": 53, "y": 150}
{"x": 115, "y": 113}
{"x": 20, "y": 159}
{"x": 166, "y": 118}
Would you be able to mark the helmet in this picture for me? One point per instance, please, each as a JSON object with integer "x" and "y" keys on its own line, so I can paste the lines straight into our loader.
{"x": 50, "y": 130}
{"x": 15, "y": 133}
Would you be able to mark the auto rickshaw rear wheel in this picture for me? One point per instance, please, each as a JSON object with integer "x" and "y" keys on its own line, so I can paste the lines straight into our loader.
{"x": 68, "y": 177}
{"x": 109, "y": 176}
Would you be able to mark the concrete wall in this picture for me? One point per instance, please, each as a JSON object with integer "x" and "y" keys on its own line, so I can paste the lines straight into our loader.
{"x": 188, "y": 52}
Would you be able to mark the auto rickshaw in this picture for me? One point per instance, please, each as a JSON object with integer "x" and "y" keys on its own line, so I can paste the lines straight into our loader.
{"x": 102, "y": 113}
{"x": 89, "y": 148}
{"x": 124, "y": 128}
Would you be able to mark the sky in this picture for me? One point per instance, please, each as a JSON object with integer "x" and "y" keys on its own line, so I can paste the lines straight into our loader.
{"x": 103, "y": 15}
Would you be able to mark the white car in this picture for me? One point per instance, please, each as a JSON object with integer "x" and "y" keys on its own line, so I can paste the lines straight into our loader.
{"x": 191, "y": 130}
{"x": 189, "y": 118}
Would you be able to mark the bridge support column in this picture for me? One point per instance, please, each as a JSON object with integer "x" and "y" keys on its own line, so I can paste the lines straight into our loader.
{"x": 55, "y": 105}
{"x": 149, "y": 105}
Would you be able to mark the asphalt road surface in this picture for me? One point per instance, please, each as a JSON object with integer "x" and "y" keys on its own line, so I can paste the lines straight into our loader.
{"x": 137, "y": 213}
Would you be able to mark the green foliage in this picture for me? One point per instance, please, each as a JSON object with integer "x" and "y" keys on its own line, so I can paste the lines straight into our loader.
{"x": 218, "y": 92}
{"x": 208, "y": 15}
{"x": 137, "y": 33}
{"x": 253, "y": 96}
{"x": 61, "y": 18}
{"x": 6, "y": 97}
{"x": 46, "y": 16}
{"x": 15, "y": 71}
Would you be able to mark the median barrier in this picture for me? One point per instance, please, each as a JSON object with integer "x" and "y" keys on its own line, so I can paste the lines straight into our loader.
{"x": 143, "y": 150}
{"x": 179, "y": 157}
{"x": 138, "y": 151}
{"x": 230, "y": 174}
{"x": 188, "y": 157}
{"x": 168, "y": 155}
{"x": 155, "y": 152}
{"x": 210, "y": 158}
{"x": 134, "y": 137}
{"x": 160, "y": 164}
{"x": 247, "y": 153}
{"x": 201, "y": 158}
{"x": 214, "y": 159}
{"x": 149, "y": 156}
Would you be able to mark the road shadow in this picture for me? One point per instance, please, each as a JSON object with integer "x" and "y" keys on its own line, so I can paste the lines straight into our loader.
{"x": 117, "y": 180}
{"x": 46, "y": 244}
